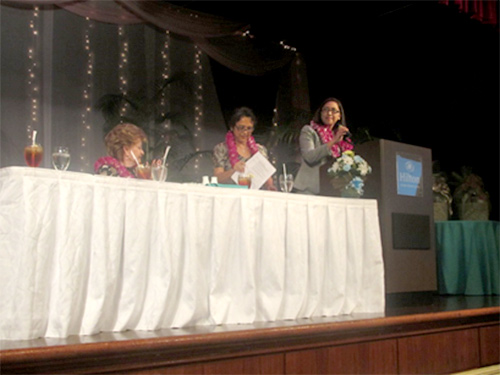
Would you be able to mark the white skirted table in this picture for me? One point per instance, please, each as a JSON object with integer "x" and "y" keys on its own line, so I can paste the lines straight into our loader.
{"x": 82, "y": 254}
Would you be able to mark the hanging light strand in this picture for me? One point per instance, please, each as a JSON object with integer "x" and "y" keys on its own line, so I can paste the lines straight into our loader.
{"x": 198, "y": 100}
{"x": 33, "y": 73}
{"x": 122, "y": 66}
{"x": 198, "y": 93}
{"x": 287, "y": 47}
{"x": 165, "y": 57}
{"x": 87, "y": 94}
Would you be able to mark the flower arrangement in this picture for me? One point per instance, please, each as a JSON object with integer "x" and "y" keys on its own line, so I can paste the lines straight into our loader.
{"x": 349, "y": 170}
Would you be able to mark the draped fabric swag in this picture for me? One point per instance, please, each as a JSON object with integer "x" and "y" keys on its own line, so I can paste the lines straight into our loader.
{"x": 78, "y": 63}
{"x": 223, "y": 40}
{"x": 219, "y": 38}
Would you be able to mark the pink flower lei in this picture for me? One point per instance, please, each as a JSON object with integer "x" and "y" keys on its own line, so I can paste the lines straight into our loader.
{"x": 115, "y": 163}
{"x": 326, "y": 135}
{"x": 233, "y": 152}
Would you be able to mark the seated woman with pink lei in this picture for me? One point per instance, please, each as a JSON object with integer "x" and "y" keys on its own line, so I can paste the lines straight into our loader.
{"x": 230, "y": 156}
{"x": 124, "y": 147}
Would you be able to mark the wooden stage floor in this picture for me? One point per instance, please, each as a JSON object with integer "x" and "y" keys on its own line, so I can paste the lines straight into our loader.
{"x": 283, "y": 347}
{"x": 397, "y": 305}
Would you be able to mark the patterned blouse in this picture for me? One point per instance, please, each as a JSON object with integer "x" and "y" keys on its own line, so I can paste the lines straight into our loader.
{"x": 221, "y": 156}
{"x": 109, "y": 166}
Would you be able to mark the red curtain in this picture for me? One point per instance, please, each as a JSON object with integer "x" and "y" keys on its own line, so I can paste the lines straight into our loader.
{"x": 485, "y": 11}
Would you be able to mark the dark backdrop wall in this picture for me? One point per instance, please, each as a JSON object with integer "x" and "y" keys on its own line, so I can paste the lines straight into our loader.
{"x": 417, "y": 72}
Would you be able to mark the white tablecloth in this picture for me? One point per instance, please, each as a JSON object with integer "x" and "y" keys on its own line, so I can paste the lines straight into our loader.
{"x": 80, "y": 254}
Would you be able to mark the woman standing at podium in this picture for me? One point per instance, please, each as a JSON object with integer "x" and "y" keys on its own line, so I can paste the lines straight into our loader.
{"x": 324, "y": 138}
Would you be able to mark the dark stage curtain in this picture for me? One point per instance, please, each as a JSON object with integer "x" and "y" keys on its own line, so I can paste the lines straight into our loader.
{"x": 485, "y": 11}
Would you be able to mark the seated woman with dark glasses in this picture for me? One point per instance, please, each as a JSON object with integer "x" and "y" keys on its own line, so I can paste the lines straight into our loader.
{"x": 230, "y": 156}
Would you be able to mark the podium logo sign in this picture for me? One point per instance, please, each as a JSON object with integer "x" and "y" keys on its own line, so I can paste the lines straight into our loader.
{"x": 409, "y": 175}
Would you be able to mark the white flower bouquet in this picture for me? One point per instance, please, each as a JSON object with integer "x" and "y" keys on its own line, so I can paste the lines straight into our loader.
{"x": 348, "y": 173}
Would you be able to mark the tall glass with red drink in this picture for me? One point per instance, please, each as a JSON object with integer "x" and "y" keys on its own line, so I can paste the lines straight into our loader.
{"x": 33, "y": 155}
{"x": 143, "y": 171}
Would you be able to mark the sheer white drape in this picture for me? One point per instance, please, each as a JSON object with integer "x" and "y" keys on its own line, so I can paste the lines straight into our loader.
{"x": 62, "y": 78}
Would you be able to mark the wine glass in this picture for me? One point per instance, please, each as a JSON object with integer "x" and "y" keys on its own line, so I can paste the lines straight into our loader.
{"x": 286, "y": 183}
{"x": 159, "y": 172}
{"x": 61, "y": 158}
{"x": 33, "y": 155}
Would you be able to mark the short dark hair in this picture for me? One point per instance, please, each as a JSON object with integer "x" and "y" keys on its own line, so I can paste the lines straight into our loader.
{"x": 317, "y": 114}
{"x": 239, "y": 113}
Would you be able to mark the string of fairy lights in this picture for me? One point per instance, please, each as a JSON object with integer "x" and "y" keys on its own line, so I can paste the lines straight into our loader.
{"x": 165, "y": 74}
{"x": 123, "y": 66}
{"x": 34, "y": 92}
{"x": 198, "y": 94}
{"x": 33, "y": 73}
{"x": 198, "y": 105}
{"x": 87, "y": 95}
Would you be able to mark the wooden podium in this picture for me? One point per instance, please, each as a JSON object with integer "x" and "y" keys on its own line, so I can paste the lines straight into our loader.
{"x": 401, "y": 182}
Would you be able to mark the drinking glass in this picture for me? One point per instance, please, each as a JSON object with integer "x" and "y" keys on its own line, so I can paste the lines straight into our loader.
{"x": 143, "y": 171}
{"x": 159, "y": 172}
{"x": 245, "y": 180}
{"x": 33, "y": 155}
{"x": 61, "y": 158}
{"x": 286, "y": 183}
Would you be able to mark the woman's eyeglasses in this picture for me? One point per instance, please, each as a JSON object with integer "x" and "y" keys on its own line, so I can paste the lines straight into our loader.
{"x": 332, "y": 110}
{"x": 242, "y": 128}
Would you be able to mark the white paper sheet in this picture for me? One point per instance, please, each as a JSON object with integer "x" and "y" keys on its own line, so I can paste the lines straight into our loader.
{"x": 260, "y": 168}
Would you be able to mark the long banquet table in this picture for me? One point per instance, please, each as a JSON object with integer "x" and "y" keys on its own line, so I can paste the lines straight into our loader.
{"x": 82, "y": 254}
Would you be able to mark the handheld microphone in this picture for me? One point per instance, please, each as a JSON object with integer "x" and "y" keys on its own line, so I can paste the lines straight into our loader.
{"x": 346, "y": 135}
